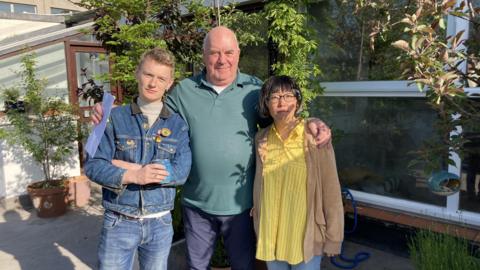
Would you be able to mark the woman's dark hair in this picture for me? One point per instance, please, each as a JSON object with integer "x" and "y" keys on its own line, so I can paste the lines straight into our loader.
{"x": 276, "y": 84}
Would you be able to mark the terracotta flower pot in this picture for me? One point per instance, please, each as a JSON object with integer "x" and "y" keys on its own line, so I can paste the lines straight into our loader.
{"x": 49, "y": 201}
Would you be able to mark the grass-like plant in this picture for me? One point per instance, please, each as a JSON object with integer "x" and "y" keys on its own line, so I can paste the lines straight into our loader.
{"x": 438, "y": 251}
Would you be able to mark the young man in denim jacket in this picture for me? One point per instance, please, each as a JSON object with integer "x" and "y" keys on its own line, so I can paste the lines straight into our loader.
{"x": 143, "y": 155}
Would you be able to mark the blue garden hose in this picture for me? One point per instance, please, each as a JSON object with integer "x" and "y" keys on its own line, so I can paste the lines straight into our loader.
{"x": 360, "y": 256}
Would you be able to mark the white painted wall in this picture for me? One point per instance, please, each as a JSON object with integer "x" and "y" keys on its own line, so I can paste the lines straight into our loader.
{"x": 18, "y": 169}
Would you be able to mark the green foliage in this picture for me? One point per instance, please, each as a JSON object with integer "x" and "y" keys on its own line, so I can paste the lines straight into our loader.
{"x": 128, "y": 28}
{"x": 47, "y": 129}
{"x": 294, "y": 43}
{"x": 177, "y": 213}
{"x": 435, "y": 61}
{"x": 436, "y": 251}
{"x": 10, "y": 94}
{"x": 219, "y": 257}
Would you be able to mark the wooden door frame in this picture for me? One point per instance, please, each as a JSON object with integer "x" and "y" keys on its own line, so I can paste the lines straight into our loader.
{"x": 73, "y": 47}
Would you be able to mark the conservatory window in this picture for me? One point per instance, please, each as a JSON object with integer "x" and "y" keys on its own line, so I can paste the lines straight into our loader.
{"x": 376, "y": 140}
{"x": 470, "y": 165}
{"x": 379, "y": 123}
{"x": 51, "y": 66}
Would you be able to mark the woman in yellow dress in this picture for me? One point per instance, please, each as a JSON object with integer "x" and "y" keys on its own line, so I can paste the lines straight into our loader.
{"x": 298, "y": 211}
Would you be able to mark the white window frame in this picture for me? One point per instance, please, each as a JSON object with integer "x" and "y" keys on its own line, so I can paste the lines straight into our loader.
{"x": 450, "y": 212}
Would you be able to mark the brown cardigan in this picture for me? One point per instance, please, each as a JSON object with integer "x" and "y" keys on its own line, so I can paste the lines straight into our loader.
{"x": 325, "y": 216}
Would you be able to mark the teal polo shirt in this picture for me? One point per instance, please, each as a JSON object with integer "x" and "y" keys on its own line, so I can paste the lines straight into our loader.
{"x": 222, "y": 129}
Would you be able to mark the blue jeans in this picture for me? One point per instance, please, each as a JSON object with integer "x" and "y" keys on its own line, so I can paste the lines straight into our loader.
{"x": 313, "y": 264}
{"x": 121, "y": 238}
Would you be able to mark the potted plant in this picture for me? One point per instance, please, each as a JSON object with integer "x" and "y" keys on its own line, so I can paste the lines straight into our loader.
{"x": 46, "y": 130}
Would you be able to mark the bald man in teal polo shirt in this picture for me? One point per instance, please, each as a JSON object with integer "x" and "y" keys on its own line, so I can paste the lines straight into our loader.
{"x": 220, "y": 105}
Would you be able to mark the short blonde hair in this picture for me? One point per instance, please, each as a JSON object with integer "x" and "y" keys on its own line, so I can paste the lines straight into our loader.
{"x": 159, "y": 55}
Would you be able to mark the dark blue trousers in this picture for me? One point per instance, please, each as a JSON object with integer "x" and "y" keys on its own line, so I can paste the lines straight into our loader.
{"x": 202, "y": 230}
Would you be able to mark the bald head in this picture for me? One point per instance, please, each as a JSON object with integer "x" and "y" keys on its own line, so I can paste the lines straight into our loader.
{"x": 220, "y": 56}
{"x": 218, "y": 30}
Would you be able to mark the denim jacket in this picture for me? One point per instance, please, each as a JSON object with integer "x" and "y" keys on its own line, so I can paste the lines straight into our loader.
{"x": 128, "y": 138}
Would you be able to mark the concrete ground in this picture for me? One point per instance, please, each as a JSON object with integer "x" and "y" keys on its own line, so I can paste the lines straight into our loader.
{"x": 70, "y": 242}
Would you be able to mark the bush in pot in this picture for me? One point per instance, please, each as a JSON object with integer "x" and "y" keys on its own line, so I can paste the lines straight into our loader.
{"x": 46, "y": 130}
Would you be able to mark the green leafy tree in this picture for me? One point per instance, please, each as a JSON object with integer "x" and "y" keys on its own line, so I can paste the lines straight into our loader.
{"x": 47, "y": 129}
{"x": 435, "y": 66}
{"x": 294, "y": 43}
{"x": 128, "y": 28}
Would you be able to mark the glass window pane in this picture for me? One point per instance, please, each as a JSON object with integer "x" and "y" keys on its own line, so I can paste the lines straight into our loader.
{"x": 374, "y": 140}
{"x": 60, "y": 11}
{"x": 90, "y": 67}
{"x": 21, "y": 8}
{"x": 470, "y": 170}
{"x": 344, "y": 51}
{"x": 5, "y": 7}
{"x": 51, "y": 65}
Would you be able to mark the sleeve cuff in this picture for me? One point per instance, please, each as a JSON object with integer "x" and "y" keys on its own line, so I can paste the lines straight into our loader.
{"x": 332, "y": 247}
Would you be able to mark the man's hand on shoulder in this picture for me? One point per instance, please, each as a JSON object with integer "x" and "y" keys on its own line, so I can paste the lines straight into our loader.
{"x": 321, "y": 132}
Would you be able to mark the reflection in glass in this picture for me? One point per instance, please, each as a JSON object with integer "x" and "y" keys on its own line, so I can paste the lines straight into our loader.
{"x": 470, "y": 173}
{"x": 21, "y": 8}
{"x": 375, "y": 139}
{"x": 345, "y": 52}
{"x": 5, "y": 7}
{"x": 61, "y": 11}
{"x": 51, "y": 66}
{"x": 90, "y": 67}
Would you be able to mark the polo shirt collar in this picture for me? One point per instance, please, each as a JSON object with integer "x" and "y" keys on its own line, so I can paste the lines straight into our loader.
{"x": 239, "y": 80}
{"x": 164, "y": 113}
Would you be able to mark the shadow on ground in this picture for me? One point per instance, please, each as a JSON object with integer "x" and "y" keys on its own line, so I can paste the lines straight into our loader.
{"x": 66, "y": 242}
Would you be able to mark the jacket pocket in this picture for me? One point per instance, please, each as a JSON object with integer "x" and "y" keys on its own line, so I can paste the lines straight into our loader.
{"x": 159, "y": 196}
{"x": 126, "y": 148}
{"x": 166, "y": 149}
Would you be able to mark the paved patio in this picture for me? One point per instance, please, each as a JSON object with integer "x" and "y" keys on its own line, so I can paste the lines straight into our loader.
{"x": 70, "y": 242}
